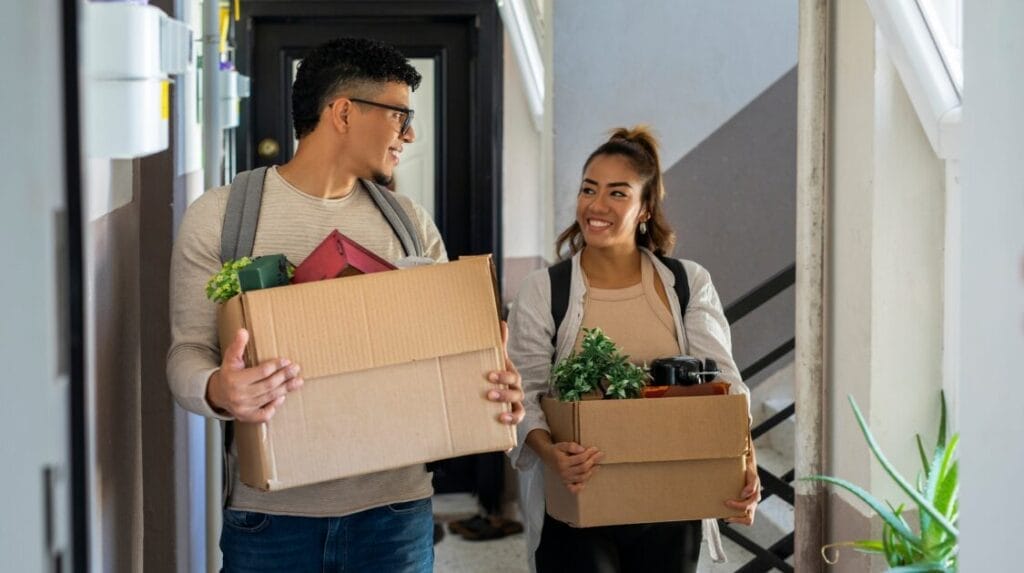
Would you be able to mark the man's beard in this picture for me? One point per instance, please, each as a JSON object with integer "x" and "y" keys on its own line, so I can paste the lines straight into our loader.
{"x": 382, "y": 179}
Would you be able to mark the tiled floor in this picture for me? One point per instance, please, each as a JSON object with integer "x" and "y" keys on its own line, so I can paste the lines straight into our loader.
{"x": 456, "y": 555}
{"x": 508, "y": 555}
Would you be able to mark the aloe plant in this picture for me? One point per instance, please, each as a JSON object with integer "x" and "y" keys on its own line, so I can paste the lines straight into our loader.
{"x": 934, "y": 545}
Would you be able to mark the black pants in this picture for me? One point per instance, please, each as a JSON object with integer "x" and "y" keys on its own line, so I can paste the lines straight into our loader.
{"x": 647, "y": 548}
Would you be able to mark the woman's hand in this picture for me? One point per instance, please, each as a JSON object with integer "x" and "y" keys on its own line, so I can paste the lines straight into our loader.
{"x": 574, "y": 463}
{"x": 751, "y": 494}
{"x": 509, "y": 386}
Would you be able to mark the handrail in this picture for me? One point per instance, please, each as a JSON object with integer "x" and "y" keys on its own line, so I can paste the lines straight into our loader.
{"x": 768, "y": 359}
{"x": 771, "y": 556}
{"x": 775, "y": 555}
{"x": 779, "y": 417}
{"x": 760, "y": 294}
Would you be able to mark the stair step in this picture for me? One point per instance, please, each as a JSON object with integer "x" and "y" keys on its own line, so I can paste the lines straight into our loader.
{"x": 774, "y": 521}
{"x": 782, "y": 437}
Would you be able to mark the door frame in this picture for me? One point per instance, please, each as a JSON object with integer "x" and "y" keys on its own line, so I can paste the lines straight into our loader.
{"x": 469, "y": 219}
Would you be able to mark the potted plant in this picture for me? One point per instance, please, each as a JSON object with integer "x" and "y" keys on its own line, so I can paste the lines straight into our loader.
{"x": 598, "y": 370}
{"x": 933, "y": 546}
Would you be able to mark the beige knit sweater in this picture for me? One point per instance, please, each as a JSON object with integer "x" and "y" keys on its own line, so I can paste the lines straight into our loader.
{"x": 292, "y": 223}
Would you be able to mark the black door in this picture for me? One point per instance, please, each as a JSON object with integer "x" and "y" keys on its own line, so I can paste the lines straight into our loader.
{"x": 464, "y": 38}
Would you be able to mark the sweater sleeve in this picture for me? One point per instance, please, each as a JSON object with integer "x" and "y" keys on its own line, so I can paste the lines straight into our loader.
{"x": 195, "y": 351}
{"x": 707, "y": 330}
{"x": 531, "y": 329}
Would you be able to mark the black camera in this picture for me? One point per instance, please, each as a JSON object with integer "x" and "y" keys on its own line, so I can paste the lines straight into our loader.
{"x": 683, "y": 371}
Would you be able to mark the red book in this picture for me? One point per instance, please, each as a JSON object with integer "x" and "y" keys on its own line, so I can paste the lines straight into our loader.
{"x": 339, "y": 256}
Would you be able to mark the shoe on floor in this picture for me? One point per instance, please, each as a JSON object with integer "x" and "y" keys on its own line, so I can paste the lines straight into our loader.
{"x": 480, "y": 528}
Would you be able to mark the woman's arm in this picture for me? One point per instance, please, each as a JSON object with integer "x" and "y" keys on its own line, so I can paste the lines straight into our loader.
{"x": 707, "y": 330}
{"x": 531, "y": 330}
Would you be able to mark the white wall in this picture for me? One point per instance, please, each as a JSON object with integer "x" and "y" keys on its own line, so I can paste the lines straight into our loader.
{"x": 992, "y": 311}
{"x": 523, "y": 201}
{"x": 908, "y": 225}
{"x": 886, "y": 236}
{"x": 34, "y": 411}
{"x": 850, "y": 204}
{"x": 684, "y": 66}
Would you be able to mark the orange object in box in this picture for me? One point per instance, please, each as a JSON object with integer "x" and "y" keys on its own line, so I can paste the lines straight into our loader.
{"x": 708, "y": 389}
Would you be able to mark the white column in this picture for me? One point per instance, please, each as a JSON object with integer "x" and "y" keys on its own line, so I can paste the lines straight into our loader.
{"x": 992, "y": 288}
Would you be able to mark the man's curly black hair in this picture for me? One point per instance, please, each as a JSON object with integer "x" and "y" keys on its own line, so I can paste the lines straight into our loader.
{"x": 346, "y": 65}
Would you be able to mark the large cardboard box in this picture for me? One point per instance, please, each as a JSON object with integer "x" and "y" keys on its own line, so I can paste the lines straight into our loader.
{"x": 666, "y": 459}
{"x": 394, "y": 366}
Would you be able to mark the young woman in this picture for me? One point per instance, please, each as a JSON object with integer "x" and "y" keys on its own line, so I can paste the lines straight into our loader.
{"x": 619, "y": 284}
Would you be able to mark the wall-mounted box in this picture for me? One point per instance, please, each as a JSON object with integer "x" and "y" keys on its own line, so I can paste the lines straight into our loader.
{"x": 129, "y": 53}
{"x": 233, "y": 87}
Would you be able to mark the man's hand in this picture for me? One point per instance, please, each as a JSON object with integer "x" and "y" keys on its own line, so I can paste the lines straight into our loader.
{"x": 510, "y": 386}
{"x": 251, "y": 394}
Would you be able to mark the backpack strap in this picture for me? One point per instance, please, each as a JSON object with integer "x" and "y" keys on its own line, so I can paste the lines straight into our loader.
{"x": 397, "y": 218}
{"x": 682, "y": 286}
{"x": 238, "y": 235}
{"x": 560, "y": 275}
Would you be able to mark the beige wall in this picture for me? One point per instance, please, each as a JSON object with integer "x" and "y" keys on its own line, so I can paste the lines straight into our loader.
{"x": 113, "y": 370}
{"x": 526, "y": 200}
{"x": 885, "y": 273}
{"x": 140, "y": 486}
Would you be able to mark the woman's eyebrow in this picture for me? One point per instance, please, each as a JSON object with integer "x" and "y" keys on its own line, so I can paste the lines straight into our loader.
{"x": 615, "y": 184}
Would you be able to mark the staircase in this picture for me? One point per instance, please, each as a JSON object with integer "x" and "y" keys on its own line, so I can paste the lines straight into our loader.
{"x": 768, "y": 544}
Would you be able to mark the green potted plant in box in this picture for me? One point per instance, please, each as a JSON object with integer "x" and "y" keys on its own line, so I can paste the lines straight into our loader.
{"x": 933, "y": 546}
{"x": 598, "y": 370}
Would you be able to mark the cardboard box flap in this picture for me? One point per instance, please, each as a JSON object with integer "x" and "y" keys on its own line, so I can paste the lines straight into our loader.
{"x": 656, "y": 429}
{"x": 387, "y": 318}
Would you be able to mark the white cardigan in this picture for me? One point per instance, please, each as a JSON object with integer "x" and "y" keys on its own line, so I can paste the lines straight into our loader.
{"x": 704, "y": 333}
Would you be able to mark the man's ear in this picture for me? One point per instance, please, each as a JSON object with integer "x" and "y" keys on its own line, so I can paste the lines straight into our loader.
{"x": 339, "y": 114}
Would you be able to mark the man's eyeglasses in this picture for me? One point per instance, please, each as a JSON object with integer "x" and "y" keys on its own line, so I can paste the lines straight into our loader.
{"x": 406, "y": 113}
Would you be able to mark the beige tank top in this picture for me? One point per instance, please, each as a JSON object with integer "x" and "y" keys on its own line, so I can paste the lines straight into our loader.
{"x": 635, "y": 318}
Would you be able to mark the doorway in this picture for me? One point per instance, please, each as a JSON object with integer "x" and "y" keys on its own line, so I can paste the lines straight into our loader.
{"x": 456, "y": 172}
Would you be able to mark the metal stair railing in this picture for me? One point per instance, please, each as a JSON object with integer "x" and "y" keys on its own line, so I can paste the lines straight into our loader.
{"x": 774, "y": 556}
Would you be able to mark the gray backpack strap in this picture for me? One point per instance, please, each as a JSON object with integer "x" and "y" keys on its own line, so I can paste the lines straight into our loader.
{"x": 237, "y": 237}
{"x": 397, "y": 218}
{"x": 243, "y": 213}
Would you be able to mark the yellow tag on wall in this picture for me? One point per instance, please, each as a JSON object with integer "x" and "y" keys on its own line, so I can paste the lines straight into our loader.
{"x": 165, "y": 100}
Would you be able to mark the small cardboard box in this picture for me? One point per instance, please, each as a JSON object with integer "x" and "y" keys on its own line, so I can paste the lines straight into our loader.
{"x": 394, "y": 366}
{"x": 666, "y": 459}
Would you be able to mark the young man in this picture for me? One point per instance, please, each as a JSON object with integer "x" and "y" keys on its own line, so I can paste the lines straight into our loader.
{"x": 351, "y": 116}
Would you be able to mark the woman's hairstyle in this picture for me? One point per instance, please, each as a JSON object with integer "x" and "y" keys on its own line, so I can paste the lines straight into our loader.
{"x": 638, "y": 146}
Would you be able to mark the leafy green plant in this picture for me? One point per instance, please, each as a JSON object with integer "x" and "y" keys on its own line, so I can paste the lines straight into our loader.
{"x": 598, "y": 367}
{"x": 224, "y": 285}
{"x": 934, "y": 546}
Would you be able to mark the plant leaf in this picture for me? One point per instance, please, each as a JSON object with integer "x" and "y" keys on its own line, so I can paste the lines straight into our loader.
{"x": 942, "y": 490}
{"x": 924, "y": 458}
{"x": 868, "y": 546}
{"x": 885, "y": 513}
{"x": 919, "y": 568}
{"x": 922, "y": 503}
{"x": 942, "y": 420}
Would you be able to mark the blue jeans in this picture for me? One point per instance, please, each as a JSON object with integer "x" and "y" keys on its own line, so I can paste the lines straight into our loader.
{"x": 392, "y": 538}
